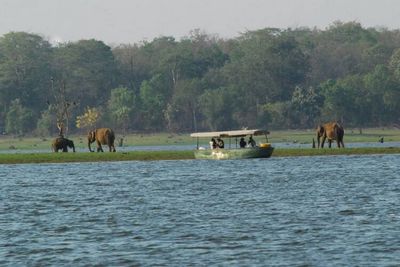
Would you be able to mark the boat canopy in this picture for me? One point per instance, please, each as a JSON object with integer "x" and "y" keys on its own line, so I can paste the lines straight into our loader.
{"x": 237, "y": 133}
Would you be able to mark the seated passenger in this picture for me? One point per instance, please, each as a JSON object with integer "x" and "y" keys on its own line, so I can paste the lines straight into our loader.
{"x": 213, "y": 144}
{"x": 220, "y": 143}
{"x": 242, "y": 143}
{"x": 251, "y": 142}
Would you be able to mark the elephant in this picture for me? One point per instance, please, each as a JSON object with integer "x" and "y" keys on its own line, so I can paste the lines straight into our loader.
{"x": 62, "y": 143}
{"x": 330, "y": 131}
{"x": 102, "y": 136}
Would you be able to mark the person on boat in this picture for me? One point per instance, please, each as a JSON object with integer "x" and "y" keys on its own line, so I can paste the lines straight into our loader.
{"x": 251, "y": 142}
{"x": 213, "y": 143}
{"x": 242, "y": 143}
{"x": 220, "y": 143}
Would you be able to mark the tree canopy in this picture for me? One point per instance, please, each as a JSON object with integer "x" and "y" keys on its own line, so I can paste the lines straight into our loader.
{"x": 268, "y": 78}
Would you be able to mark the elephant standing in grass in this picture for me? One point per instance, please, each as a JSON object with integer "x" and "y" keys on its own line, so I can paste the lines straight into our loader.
{"x": 102, "y": 136}
{"x": 62, "y": 143}
{"x": 330, "y": 131}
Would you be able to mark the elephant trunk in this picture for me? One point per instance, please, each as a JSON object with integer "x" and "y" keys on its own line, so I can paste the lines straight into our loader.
{"x": 73, "y": 147}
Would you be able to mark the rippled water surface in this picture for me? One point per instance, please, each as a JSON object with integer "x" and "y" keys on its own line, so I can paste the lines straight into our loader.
{"x": 305, "y": 211}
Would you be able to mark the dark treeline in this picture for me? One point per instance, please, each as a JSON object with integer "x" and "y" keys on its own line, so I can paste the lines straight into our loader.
{"x": 270, "y": 78}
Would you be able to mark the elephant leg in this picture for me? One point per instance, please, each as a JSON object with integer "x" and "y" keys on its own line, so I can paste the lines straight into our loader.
{"x": 323, "y": 141}
{"x": 112, "y": 148}
{"x": 338, "y": 143}
{"x": 330, "y": 143}
{"x": 65, "y": 149}
{"x": 99, "y": 148}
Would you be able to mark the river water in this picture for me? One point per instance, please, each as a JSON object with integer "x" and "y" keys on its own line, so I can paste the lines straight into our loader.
{"x": 297, "y": 211}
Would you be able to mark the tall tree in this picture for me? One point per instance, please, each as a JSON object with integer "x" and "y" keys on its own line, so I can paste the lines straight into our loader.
{"x": 134, "y": 65}
{"x": 154, "y": 95}
{"x": 24, "y": 70}
{"x": 88, "y": 71}
{"x": 218, "y": 108}
{"x": 122, "y": 105}
{"x": 19, "y": 118}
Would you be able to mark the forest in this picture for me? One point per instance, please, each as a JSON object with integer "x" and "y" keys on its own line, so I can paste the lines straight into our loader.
{"x": 269, "y": 78}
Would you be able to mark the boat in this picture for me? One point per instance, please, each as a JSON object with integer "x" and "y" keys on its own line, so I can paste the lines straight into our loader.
{"x": 233, "y": 150}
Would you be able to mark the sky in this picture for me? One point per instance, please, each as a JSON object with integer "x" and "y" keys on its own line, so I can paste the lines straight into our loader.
{"x": 133, "y": 21}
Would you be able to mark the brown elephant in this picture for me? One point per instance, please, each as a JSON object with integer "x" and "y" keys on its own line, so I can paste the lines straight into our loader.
{"x": 62, "y": 143}
{"x": 331, "y": 131}
{"x": 102, "y": 136}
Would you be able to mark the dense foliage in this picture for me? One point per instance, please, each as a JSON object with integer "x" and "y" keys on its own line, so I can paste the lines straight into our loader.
{"x": 270, "y": 78}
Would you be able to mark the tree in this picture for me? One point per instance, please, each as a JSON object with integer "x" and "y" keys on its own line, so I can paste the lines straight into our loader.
{"x": 378, "y": 85}
{"x": 45, "y": 124}
{"x": 306, "y": 105}
{"x": 181, "y": 113}
{"x": 121, "y": 106}
{"x": 24, "y": 71}
{"x": 340, "y": 51}
{"x": 275, "y": 115}
{"x": 217, "y": 106}
{"x": 154, "y": 96}
{"x": 338, "y": 101}
{"x": 19, "y": 119}
{"x": 134, "y": 65}
{"x": 87, "y": 70}
{"x": 88, "y": 120}
{"x": 62, "y": 107}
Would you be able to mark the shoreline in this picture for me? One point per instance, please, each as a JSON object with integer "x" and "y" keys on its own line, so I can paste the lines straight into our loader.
{"x": 38, "y": 158}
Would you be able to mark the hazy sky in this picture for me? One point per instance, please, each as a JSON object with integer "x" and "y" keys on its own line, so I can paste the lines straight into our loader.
{"x": 131, "y": 21}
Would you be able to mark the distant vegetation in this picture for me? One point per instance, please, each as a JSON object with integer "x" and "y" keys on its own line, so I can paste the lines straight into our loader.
{"x": 270, "y": 78}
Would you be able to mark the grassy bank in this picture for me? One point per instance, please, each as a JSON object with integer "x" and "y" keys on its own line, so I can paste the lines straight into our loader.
{"x": 295, "y": 152}
{"x": 159, "y": 139}
{"x": 171, "y": 155}
{"x": 93, "y": 157}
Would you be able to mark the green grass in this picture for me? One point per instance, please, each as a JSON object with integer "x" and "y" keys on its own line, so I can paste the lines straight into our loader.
{"x": 296, "y": 152}
{"x": 172, "y": 155}
{"x": 350, "y": 136}
{"x": 290, "y": 136}
{"x": 159, "y": 139}
{"x": 93, "y": 157}
{"x": 298, "y": 136}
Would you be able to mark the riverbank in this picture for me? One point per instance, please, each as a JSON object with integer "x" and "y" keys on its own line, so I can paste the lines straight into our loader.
{"x": 172, "y": 155}
{"x": 168, "y": 139}
{"x": 93, "y": 157}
